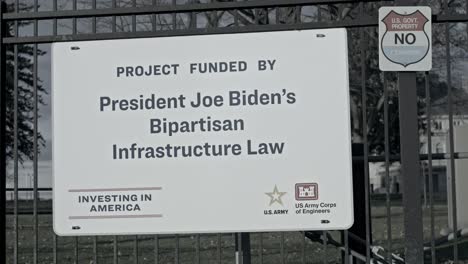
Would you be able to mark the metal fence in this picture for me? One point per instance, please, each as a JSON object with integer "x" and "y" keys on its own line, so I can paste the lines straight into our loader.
{"x": 28, "y": 27}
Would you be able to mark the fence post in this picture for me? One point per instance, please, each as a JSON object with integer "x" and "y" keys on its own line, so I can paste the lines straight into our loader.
{"x": 410, "y": 166}
{"x": 409, "y": 145}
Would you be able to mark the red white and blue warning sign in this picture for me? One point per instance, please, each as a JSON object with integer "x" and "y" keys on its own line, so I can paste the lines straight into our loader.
{"x": 405, "y": 38}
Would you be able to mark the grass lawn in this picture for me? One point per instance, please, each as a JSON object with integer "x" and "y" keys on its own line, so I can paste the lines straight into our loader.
{"x": 266, "y": 247}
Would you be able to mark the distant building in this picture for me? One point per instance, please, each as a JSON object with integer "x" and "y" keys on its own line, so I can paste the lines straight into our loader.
{"x": 439, "y": 144}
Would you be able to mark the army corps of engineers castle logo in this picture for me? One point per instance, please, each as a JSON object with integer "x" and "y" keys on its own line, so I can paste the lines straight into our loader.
{"x": 405, "y": 39}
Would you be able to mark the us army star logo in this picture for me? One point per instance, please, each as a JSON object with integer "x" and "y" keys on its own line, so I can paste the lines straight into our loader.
{"x": 275, "y": 196}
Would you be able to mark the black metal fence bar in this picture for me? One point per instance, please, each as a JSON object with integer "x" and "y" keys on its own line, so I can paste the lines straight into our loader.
{"x": 150, "y": 10}
{"x": 76, "y": 251}
{"x": 346, "y": 247}
{"x": 116, "y": 250}
{"x": 35, "y": 142}
{"x": 95, "y": 250}
{"x": 165, "y": 9}
{"x": 219, "y": 245}
{"x": 94, "y": 25}
{"x": 3, "y": 216}
{"x": 174, "y": 17}
{"x": 197, "y": 249}
{"x": 451, "y": 143}
{"x": 54, "y": 249}
{"x": 363, "y": 21}
{"x": 156, "y": 249}
{"x": 134, "y": 21}
{"x": 303, "y": 248}
{"x": 153, "y": 17}
{"x": 15, "y": 151}
{"x": 114, "y": 17}
{"x": 36, "y": 153}
{"x": 282, "y": 253}
{"x": 430, "y": 167}
{"x": 387, "y": 170}
{"x": 324, "y": 257}
{"x": 135, "y": 249}
{"x": 54, "y": 20}
{"x": 260, "y": 248}
{"x": 363, "y": 49}
{"x": 176, "y": 249}
{"x": 74, "y": 19}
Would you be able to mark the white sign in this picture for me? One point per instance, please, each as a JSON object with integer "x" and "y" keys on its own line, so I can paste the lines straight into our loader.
{"x": 405, "y": 36}
{"x": 220, "y": 133}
